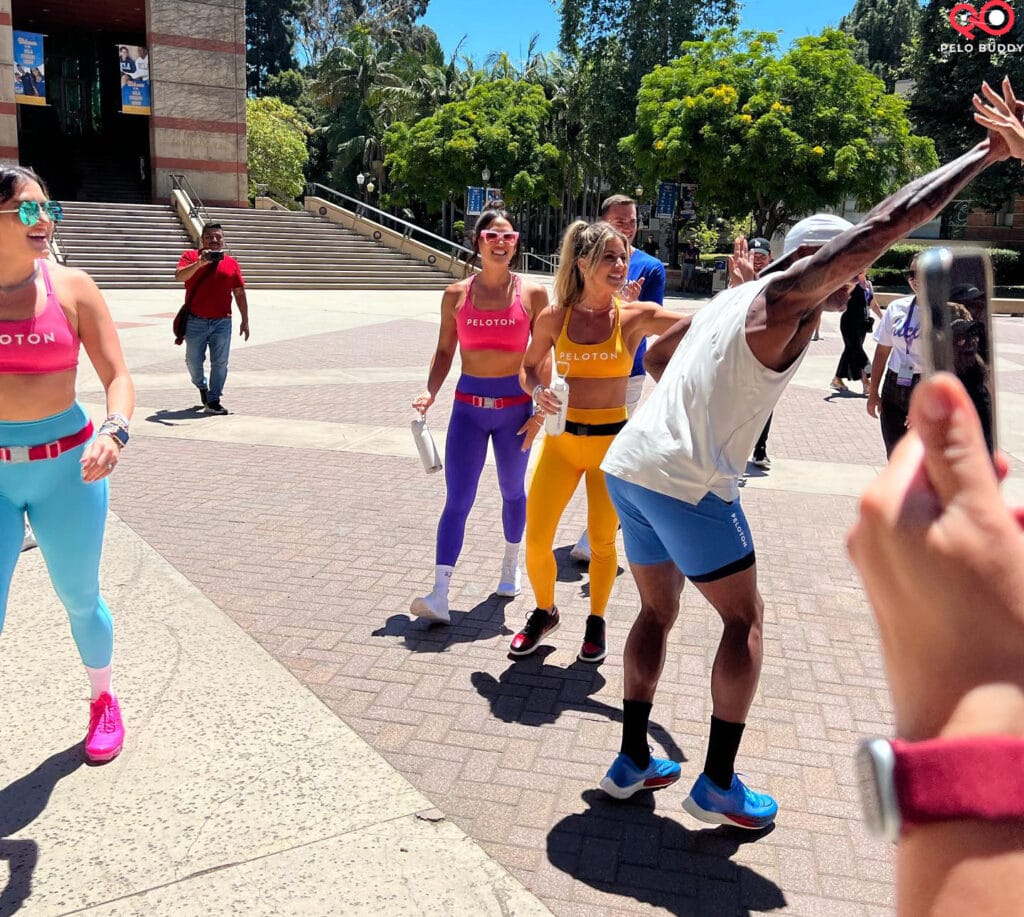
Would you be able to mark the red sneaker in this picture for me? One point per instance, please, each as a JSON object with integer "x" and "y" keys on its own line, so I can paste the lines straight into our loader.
{"x": 105, "y": 738}
{"x": 539, "y": 623}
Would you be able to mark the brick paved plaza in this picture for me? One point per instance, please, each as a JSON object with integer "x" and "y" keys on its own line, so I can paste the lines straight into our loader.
{"x": 306, "y": 517}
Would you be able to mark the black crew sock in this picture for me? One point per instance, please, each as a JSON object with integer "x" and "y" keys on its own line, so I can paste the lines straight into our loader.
{"x": 723, "y": 744}
{"x": 635, "y": 714}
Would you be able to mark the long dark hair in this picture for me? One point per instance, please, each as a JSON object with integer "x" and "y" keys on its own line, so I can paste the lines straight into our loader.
{"x": 495, "y": 210}
{"x": 13, "y": 177}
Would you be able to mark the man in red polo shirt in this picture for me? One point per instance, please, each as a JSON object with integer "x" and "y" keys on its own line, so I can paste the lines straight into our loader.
{"x": 211, "y": 276}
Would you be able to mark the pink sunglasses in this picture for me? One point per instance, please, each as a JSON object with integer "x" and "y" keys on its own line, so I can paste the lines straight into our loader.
{"x": 490, "y": 236}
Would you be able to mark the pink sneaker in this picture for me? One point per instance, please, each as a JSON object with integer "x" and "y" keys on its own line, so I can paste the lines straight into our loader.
{"x": 105, "y": 737}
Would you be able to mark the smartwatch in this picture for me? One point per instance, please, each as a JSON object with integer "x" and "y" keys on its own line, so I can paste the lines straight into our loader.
{"x": 905, "y": 784}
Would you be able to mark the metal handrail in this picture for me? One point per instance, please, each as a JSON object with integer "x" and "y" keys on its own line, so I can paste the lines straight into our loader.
{"x": 548, "y": 265}
{"x": 407, "y": 229}
{"x": 197, "y": 209}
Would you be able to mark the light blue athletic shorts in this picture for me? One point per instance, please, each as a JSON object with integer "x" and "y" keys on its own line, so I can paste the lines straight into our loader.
{"x": 707, "y": 541}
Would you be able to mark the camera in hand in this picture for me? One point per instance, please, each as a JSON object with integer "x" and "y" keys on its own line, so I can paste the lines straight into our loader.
{"x": 213, "y": 257}
{"x": 956, "y": 289}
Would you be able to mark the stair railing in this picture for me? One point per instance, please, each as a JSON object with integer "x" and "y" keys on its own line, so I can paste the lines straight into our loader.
{"x": 408, "y": 230}
{"x": 197, "y": 209}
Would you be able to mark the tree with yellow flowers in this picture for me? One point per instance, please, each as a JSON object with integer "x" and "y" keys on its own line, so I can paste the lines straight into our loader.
{"x": 775, "y": 135}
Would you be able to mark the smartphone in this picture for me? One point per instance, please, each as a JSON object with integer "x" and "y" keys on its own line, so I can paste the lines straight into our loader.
{"x": 215, "y": 256}
{"x": 956, "y": 324}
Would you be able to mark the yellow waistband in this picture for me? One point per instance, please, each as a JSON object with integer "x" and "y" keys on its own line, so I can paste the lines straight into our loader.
{"x": 596, "y": 415}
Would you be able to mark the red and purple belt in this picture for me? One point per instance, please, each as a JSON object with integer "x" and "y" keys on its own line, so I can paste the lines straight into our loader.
{"x": 479, "y": 401}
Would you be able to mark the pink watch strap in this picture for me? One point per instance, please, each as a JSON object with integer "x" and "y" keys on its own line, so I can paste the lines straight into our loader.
{"x": 978, "y": 777}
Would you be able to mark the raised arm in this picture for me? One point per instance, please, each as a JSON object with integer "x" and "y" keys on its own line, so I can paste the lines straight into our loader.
{"x": 806, "y": 283}
{"x": 660, "y": 352}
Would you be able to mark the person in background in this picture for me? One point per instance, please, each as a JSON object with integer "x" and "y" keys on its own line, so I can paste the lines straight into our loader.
{"x": 211, "y": 277}
{"x": 759, "y": 250}
{"x": 54, "y": 468}
{"x": 896, "y": 366}
{"x": 854, "y": 324}
{"x": 689, "y": 257}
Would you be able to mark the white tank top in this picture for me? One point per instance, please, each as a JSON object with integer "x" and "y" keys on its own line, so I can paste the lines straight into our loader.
{"x": 695, "y": 432}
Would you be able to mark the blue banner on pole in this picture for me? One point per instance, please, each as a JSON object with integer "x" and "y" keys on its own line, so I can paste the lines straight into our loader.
{"x": 29, "y": 70}
{"x": 133, "y": 61}
{"x": 474, "y": 200}
{"x": 668, "y": 194}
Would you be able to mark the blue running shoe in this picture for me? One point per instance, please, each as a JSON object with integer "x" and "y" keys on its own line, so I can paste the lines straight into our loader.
{"x": 739, "y": 806}
{"x": 624, "y": 778}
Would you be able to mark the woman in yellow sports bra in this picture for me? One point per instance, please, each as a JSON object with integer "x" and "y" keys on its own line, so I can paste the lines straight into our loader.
{"x": 594, "y": 336}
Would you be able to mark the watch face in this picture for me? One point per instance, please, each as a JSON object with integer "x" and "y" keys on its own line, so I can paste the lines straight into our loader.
{"x": 875, "y": 762}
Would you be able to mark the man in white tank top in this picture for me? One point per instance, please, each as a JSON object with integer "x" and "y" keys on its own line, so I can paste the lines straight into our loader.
{"x": 673, "y": 471}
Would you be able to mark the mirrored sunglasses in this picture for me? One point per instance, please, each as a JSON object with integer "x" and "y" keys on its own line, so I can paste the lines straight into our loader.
{"x": 490, "y": 236}
{"x": 29, "y": 211}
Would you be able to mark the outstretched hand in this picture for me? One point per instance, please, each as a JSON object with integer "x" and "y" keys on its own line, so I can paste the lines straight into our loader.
{"x": 741, "y": 263}
{"x": 1002, "y": 117}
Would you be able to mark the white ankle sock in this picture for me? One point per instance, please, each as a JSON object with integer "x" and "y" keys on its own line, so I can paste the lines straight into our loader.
{"x": 442, "y": 579}
{"x": 99, "y": 680}
{"x": 511, "y": 560}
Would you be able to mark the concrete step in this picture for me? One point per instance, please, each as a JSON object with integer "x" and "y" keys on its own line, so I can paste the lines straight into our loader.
{"x": 128, "y": 246}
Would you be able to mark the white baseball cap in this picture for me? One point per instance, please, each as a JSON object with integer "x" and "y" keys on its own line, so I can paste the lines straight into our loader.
{"x": 815, "y": 230}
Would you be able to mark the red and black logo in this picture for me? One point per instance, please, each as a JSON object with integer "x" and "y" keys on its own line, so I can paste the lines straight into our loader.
{"x": 995, "y": 18}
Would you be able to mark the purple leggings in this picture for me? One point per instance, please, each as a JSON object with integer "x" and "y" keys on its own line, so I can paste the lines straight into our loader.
{"x": 465, "y": 451}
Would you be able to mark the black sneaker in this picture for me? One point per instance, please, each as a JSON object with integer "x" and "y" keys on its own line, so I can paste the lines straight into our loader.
{"x": 215, "y": 407}
{"x": 204, "y": 396}
{"x": 593, "y": 649}
{"x": 539, "y": 623}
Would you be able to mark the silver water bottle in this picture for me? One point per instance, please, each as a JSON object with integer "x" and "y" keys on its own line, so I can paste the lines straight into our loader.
{"x": 554, "y": 424}
{"x": 425, "y": 446}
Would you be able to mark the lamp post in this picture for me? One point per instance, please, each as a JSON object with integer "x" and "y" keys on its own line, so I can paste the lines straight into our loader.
{"x": 638, "y": 192}
{"x": 360, "y": 180}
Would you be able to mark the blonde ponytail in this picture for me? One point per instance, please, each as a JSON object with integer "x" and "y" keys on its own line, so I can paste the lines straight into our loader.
{"x": 581, "y": 240}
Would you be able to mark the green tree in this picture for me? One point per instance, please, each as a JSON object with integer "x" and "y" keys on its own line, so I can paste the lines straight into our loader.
{"x": 500, "y": 124}
{"x": 276, "y": 136}
{"x": 945, "y": 80}
{"x": 289, "y": 86}
{"x": 613, "y": 44}
{"x": 269, "y": 40}
{"x": 775, "y": 136}
{"x": 362, "y": 90}
{"x": 883, "y": 30}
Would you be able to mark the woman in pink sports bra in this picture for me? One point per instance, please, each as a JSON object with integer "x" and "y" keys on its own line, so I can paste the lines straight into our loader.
{"x": 488, "y": 316}
{"x": 53, "y": 466}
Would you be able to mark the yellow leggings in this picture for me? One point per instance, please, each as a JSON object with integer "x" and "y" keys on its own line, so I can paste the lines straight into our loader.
{"x": 563, "y": 461}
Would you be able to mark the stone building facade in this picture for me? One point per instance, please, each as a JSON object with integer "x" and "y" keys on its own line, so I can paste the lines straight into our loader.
{"x": 84, "y": 145}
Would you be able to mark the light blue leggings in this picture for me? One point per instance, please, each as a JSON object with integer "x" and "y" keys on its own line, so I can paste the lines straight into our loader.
{"x": 68, "y": 518}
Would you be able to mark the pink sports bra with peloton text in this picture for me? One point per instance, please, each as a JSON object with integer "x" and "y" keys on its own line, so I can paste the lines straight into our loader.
{"x": 501, "y": 329}
{"x": 44, "y": 343}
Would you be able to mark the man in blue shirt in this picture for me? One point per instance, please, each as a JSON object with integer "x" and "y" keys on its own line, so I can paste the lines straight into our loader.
{"x": 646, "y": 283}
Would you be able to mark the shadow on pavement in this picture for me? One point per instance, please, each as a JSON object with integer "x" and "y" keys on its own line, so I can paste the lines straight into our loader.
{"x": 532, "y": 693}
{"x": 21, "y": 803}
{"x": 482, "y": 622}
{"x": 624, "y": 848}
{"x": 167, "y": 418}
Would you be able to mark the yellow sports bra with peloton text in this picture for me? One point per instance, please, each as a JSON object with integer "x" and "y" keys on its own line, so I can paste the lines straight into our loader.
{"x": 607, "y": 359}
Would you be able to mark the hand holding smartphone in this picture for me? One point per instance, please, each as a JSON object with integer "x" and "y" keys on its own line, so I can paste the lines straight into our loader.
{"x": 956, "y": 325}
